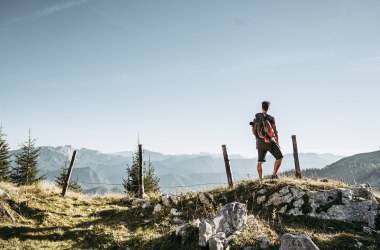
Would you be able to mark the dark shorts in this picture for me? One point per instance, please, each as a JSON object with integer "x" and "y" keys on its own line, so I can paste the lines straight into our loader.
{"x": 263, "y": 148}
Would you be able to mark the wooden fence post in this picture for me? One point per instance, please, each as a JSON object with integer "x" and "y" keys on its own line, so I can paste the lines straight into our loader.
{"x": 296, "y": 160}
{"x": 228, "y": 167}
{"x": 141, "y": 173}
{"x": 67, "y": 181}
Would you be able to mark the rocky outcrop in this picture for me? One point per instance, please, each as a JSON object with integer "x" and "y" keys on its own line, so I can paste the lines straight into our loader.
{"x": 231, "y": 219}
{"x": 356, "y": 204}
{"x": 297, "y": 242}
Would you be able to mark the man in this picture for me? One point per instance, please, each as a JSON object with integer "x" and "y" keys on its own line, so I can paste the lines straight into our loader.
{"x": 265, "y": 130}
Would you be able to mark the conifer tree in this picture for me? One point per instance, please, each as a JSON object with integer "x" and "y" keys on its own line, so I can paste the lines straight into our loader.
{"x": 60, "y": 180}
{"x": 25, "y": 173}
{"x": 150, "y": 179}
{"x": 4, "y": 157}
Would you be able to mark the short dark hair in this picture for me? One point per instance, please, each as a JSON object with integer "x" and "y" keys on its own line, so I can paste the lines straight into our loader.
{"x": 265, "y": 105}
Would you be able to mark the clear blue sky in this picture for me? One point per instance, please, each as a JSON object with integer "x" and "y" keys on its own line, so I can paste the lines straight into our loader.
{"x": 190, "y": 75}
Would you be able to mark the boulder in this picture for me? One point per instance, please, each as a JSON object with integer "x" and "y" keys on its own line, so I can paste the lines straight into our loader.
{"x": 297, "y": 242}
{"x": 232, "y": 218}
{"x": 264, "y": 242}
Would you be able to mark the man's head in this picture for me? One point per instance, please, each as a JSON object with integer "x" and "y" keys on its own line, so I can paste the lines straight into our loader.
{"x": 265, "y": 106}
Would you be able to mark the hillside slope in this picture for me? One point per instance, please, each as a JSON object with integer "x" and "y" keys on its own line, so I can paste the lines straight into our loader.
{"x": 45, "y": 220}
{"x": 360, "y": 168}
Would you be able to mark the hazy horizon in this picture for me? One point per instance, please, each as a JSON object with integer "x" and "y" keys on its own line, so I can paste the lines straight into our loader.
{"x": 189, "y": 76}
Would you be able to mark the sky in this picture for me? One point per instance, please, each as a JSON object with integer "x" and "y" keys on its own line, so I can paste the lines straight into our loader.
{"x": 188, "y": 76}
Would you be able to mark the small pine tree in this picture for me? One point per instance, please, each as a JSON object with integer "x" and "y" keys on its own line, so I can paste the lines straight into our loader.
{"x": 131, "y": 184}
{"x": 60, "y": 180}
{"x": 4, "y": 157}
{"x": 25, "y": 173}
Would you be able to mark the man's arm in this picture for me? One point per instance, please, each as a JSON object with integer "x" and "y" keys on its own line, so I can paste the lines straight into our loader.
{"x": 275, "y": 132}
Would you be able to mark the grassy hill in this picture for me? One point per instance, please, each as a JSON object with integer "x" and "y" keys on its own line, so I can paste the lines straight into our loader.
{"x": 45, "y": 220}
{"x": 360, "y": 168}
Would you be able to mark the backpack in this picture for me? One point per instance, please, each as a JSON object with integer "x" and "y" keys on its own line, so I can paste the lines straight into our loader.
{"x": 262, "y": 128}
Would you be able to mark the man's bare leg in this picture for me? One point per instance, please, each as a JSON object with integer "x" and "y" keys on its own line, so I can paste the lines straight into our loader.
{"x": 260, "y": 170}
{"x": 277, "y": 165}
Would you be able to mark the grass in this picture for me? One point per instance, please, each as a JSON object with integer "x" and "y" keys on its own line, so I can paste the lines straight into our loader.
{"x": 45, "y": 220}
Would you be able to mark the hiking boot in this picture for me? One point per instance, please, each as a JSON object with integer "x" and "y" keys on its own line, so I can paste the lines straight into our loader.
{"x": 274, "y": 177}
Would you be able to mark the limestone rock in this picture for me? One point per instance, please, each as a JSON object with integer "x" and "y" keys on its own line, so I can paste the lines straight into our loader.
{"x": 205, "y": 233}
{"x": 157, "y": 208}
{"x": 358, "y": 244}
{"x": 216, "y": 242}
{"x": 343, "y": 204}
{"x": 175, "y": 212}
{"x": 146, "y": 205}
{"x": 232, "y": 218}
{"x": 262, "y": 191}
{"x": 282, "y": 196}
{"x": 261, "y": 199}
{"x": 165, "y": 200}
{"x": 264, "y": 242}
{"x": 297, "y": 242}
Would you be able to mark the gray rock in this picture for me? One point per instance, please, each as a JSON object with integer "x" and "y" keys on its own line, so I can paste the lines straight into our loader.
{"x": 262, "y": 191}
{"x": 157, "y": 208}
{"x": 165, "y": 200}
{"x": 229, "y": 239}
{"x": 232, "y": 218}
{"x": 175, "y": 212}
{"x": 264, "y": 242}
{"x": 342, "y": 204}
{"x": 261, "y": 199}
{"x": 4, "y": 195}
{"x": 216, "y": 242}
{"x": 368, "y": 230}
{"x": 298, "y": 203}
{"x": 282, "y": 210}
{"x": 358, "y": 244}
{"x": 146, "y": 205}
{"x": 205, "y": 233}
{"x": 294, "y": 211}
{"x": 183, "y": 232}
{"x": 297, "y": 242}
{"x": 196, "y": 223}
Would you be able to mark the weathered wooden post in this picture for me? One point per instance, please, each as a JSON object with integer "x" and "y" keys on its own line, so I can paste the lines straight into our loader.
{"x": 228, "y": 167}
{"x": 141, "y": 173}
{"x": 67, "y": 181}
{"x": 295, "y": 154}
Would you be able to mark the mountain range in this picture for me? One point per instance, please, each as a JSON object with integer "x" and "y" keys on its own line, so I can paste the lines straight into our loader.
{"x": 103, "y": 172}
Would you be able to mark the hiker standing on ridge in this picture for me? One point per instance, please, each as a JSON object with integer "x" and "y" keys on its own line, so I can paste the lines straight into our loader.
{"x": 265, "y": 131}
